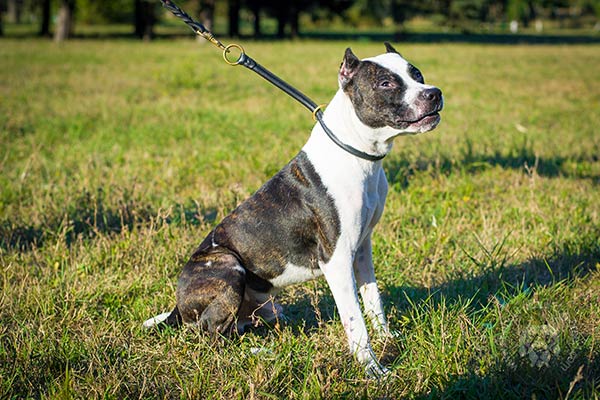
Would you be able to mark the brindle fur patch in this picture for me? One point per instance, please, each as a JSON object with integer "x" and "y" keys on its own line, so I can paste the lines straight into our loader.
{"x": 210, "y": 291}
{"x": 278, "y": 224}
{"x": 377, "y": 107}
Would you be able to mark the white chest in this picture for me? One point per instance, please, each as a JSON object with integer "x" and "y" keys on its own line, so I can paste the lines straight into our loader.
{"x": 358, "y": 189}
{"x": 360, "y": 206}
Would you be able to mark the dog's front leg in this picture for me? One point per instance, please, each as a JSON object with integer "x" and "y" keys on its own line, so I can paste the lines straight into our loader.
{"x": 340, "y": 277}
{"x": 367, "y": 286}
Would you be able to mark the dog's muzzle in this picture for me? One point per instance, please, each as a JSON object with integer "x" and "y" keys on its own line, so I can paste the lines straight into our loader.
{"x": 428, "y": 106}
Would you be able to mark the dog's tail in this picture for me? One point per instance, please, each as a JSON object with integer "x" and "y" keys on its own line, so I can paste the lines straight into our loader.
{"x": 172, "y": 319}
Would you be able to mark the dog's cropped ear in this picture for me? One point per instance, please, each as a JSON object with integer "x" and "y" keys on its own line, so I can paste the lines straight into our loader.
{"x": 348, "y": 68}
{"x": 390, "y": 49}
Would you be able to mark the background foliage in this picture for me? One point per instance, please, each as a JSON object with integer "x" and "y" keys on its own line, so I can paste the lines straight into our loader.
{"x": 292, "y": 17}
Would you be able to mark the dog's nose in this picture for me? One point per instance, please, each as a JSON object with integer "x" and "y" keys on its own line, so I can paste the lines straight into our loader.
{"x": 431, "y": 94}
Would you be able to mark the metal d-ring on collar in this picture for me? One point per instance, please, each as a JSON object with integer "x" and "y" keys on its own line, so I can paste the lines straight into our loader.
{"x": 248, "y": 62}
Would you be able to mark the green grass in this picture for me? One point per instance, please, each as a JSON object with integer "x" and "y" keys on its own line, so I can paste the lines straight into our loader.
{"x": 116, "y": 159}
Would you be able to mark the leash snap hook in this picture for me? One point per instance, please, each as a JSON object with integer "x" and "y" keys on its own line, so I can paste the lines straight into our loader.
{"x": 227, "y": 50}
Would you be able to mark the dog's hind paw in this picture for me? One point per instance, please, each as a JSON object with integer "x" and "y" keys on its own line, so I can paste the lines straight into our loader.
{"x": 154, "y": 321}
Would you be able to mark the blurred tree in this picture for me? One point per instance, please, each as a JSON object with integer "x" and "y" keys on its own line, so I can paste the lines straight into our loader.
{"x": 1, "y": 13}
{"x": 399, "y": 14}
{"x": 206, "y": 13}
{"x": 402, "y": 10}
{"x": 255, "y": 7}
{"x": 281, "y": 13}
{"x": 45, "y": 19}
{"x": 288, "y": 13}
{"x": 367, "y": 12}
{"x": 524, "y": 11}
{"x": 595, "y": 6}
{"x": 234, "y": 17}
{"x": 13, "y": 11}
{"x": 104, "y": 11}
{"x": 64, "y": 22}
{"x": 144, "y": 19}
{"x": 518, "y": 10}
{"x": 378, "y": 12}
{"x": 463, "y": 12}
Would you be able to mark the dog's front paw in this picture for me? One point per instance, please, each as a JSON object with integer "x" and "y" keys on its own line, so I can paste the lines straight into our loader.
{"x": 374, "y": 370}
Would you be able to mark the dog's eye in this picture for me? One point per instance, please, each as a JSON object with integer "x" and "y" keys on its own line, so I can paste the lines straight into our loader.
{"x": 387, "y": 84}
{"x": 419, "y": 77}
{"x": 415, "y": 74}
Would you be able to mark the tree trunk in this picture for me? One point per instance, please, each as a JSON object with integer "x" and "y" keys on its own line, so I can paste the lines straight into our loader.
{"x": 255, "y": 9}
{"x": 234, "y": 18}
{"x": 398, "y": 16}
{"x": 531, "y": 12}
{"x": 45, "y": 24}
{"x": 144, "y": 19}
{"x": 13, "y": 11}
{"x": 281, "y": 20}
{"x": 138, "y": 22}
{"x": 294, "y": 22}
{"x": 64, "y": 23}
{"x": 206, "y": 12}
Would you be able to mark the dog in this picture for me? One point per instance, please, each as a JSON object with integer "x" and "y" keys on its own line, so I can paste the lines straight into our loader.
{"x": 315, "y": 216}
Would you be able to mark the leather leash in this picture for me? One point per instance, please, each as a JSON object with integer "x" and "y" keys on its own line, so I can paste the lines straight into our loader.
{"x": 245, "y": 60}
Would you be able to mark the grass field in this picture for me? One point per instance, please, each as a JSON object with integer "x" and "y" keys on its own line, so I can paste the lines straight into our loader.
{"x": 116, "y": 159}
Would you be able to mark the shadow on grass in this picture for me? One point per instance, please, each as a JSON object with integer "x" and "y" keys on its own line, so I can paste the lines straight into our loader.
{"x": 521, "y": 380}
{"x": 399, "y": 170}
{"x": 499, "y": 278}
{"x": 495, "y": 284}
{"x": 89, "y": 216}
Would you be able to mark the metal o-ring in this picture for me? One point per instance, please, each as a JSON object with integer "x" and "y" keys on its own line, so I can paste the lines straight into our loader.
{"x": 226, "y": 50}
{"x": 316, "y": 110}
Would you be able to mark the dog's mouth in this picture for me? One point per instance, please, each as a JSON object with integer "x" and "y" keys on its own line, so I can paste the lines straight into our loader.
{"x": 424, "y": 124}
{"x": 427, "y": 119}
{"x": 430, "y": 120}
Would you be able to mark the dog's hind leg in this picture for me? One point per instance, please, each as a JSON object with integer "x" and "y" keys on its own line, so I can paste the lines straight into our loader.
{"x": 210, "y": 292}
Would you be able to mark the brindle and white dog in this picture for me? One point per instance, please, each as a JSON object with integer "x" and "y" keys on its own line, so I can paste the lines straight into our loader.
{"x": 316, "y": 215}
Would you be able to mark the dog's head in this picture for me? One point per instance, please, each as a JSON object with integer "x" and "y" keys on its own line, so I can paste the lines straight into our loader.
{"x": 389, "y": 92}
